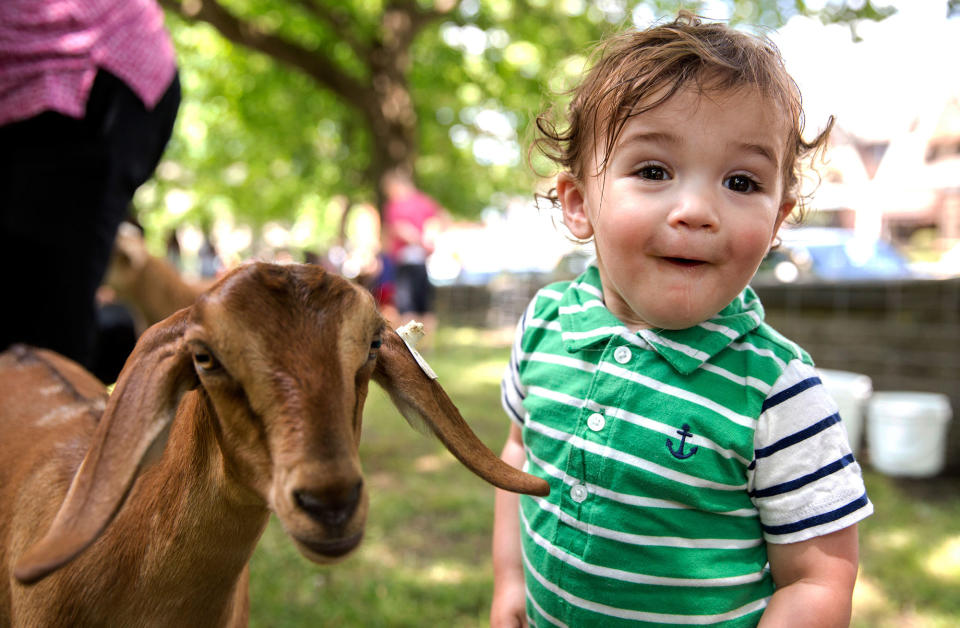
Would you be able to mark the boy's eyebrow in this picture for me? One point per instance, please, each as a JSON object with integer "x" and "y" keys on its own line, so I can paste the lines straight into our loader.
{"x": 654, "y": 137}
{"x": 760, "y": 149}
{"x": 662, "y": 137}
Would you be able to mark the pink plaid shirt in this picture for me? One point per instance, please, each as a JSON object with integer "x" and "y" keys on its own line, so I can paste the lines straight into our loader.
{"x": 50, "y": 51}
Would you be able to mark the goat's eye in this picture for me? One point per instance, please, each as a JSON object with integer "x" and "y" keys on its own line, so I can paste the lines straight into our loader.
{"x": 205, "y": 360}
{"x": 377, "y": 342}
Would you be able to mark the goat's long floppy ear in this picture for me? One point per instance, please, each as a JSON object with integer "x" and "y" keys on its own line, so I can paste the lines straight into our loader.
{"x": 133, "y": 430}
{"x": 421, "y": 398}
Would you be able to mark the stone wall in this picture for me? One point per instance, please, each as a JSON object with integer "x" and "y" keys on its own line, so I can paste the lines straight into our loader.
{"x": 905, "y": 335}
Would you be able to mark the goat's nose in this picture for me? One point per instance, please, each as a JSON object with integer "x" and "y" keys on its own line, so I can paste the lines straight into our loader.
{"x": 332, "y": 508}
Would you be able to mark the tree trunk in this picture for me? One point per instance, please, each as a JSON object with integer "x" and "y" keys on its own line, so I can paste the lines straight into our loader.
{"x": 384, "y": 101}
{"x": 392, "y": 118}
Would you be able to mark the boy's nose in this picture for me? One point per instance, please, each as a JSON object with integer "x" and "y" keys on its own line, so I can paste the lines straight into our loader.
{"x": 694, "y": 210}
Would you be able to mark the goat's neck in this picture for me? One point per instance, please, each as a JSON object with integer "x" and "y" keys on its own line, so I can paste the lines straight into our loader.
{"x": 199, "y": 517}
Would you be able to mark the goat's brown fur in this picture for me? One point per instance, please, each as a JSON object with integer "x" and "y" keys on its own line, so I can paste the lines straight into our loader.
{"x": 100, "y": 524}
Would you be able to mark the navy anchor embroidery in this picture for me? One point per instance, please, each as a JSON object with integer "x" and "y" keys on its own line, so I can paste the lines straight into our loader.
{"x": 684, "y": 432}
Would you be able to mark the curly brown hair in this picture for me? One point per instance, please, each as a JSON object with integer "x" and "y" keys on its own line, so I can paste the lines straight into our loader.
{"x": 638, "y": 70}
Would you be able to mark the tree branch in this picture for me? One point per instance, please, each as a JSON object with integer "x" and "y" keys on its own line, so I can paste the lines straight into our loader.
{"x": 341, "y": 26}
{"x": 420, "y": 18}
{"x": 316, "y": 64}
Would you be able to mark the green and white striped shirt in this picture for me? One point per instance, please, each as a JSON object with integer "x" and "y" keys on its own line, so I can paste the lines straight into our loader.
{"x": 673, "y": 458}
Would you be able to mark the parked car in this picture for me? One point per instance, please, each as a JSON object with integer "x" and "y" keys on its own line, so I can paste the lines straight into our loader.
{"x": 831, "y": 254}
{"x": 572, "y": 264}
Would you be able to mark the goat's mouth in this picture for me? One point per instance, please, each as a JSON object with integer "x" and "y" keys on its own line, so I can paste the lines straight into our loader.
{"x": 330, "y": 549}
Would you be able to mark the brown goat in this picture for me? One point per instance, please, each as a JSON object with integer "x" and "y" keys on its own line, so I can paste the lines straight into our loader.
{"x": 144, "y": 508}
{"x": 150, "y": 284}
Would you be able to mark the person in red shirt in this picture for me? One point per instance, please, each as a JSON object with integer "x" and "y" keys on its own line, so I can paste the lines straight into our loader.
{"x": 88, "y": 98}
{"x": 410, "y": 221}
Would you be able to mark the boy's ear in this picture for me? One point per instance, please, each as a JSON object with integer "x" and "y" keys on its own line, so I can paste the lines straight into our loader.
{"x": 575, "y": 215}
{"x": 785, "y": 208}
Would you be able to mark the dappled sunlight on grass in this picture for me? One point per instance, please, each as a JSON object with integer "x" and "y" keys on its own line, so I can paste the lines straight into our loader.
{"x": 434, "y": 463}
{"x": 449, "y": 574}
{"x": 489, "y": 369}
{"x": 868, "y": 599}
{"x": 451, "y": 337}
{"x": 944, "y": 562}
{"x": 897, "y": 539}
{"x": 909, "y": 555}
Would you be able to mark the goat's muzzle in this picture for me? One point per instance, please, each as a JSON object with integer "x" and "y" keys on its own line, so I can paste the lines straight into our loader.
{"x": 330, "y": 508}
{"x": 323, "y": 509}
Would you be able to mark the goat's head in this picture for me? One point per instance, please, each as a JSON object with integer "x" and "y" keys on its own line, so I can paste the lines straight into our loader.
{"x": 128, "y": 258}
{"x": 281, "y": 356}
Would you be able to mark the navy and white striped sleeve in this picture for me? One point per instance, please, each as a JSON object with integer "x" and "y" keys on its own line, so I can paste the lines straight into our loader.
{"x": 804, "y": 479}
{"x": 512, "y": 390}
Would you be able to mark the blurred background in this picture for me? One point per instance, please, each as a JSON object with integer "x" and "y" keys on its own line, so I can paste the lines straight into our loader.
{"x": 294, "y": 113}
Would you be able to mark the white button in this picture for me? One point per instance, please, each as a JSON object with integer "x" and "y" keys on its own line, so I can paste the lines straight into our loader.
{"x": 578, "y": 492}
{"x": 596, "y": 422}
{"x": 622, "y": 355}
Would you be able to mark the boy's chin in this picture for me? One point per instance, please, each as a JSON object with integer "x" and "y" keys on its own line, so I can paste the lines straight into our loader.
{"x": 677, "y": 320}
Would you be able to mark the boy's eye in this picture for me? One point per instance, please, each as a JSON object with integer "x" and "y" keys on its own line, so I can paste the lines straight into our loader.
{"x": 741, "y": 183}
{"x": 653, "y": 173}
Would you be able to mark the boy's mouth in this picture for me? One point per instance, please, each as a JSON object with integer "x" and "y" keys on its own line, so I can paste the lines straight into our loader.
{"x": 683, "y": 262}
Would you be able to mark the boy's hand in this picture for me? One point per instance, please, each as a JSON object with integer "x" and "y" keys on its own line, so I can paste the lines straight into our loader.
{"x": 509, "y": 608}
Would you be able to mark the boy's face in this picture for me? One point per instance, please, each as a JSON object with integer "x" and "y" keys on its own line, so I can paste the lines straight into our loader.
{"x": 689, "y": 204}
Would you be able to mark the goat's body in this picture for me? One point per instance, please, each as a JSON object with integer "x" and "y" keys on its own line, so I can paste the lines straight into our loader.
{"x": 176, "y": 554}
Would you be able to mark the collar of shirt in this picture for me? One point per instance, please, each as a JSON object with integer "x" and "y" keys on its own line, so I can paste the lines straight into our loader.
{"x": 585, "y": 322}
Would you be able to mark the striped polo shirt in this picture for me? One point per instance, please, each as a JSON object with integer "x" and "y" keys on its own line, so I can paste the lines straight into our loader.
{"x": 673, "y": 458}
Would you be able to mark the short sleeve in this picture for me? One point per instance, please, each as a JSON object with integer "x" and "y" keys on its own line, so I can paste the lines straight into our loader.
{"x": 512, "y": 389}
{"x": 804, "y": 479}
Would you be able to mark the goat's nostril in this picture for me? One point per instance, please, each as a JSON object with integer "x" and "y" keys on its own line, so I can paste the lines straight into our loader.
{"x": 331, "y": 508}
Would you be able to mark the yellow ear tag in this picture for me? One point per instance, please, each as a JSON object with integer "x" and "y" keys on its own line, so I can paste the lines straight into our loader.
{"x": 411, "y": 333}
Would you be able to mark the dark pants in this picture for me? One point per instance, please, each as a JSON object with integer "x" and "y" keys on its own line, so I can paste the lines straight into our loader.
{"x": 65, "y": 186}
{"x": 413, "y": 290}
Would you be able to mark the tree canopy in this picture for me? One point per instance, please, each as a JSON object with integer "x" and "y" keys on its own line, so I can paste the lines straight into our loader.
{"x": 295, "y": 109}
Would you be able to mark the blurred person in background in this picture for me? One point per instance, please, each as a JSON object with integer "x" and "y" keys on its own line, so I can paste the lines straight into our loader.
{"x": 210, "y": 263}
{"x": 173, "y": 250}
{"x": 411, "y": 220}
{"x": 88, "y": 98}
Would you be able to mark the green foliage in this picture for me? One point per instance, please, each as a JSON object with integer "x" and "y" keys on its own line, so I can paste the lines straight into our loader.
{"x": 254, "y": 140}
{"x": 258, "y": 140}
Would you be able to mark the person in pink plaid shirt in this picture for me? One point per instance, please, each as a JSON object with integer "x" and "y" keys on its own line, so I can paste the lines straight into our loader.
{"x": 88, "y": 98}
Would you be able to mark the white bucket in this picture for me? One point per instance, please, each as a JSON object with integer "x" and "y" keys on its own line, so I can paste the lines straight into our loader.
{"x": 851, "y": 391}
{"x": 907, "y": 433}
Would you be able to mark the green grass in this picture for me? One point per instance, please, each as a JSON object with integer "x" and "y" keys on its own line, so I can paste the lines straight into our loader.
{"x": 910, "y": 555}
{"x": 425, "y": 560}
